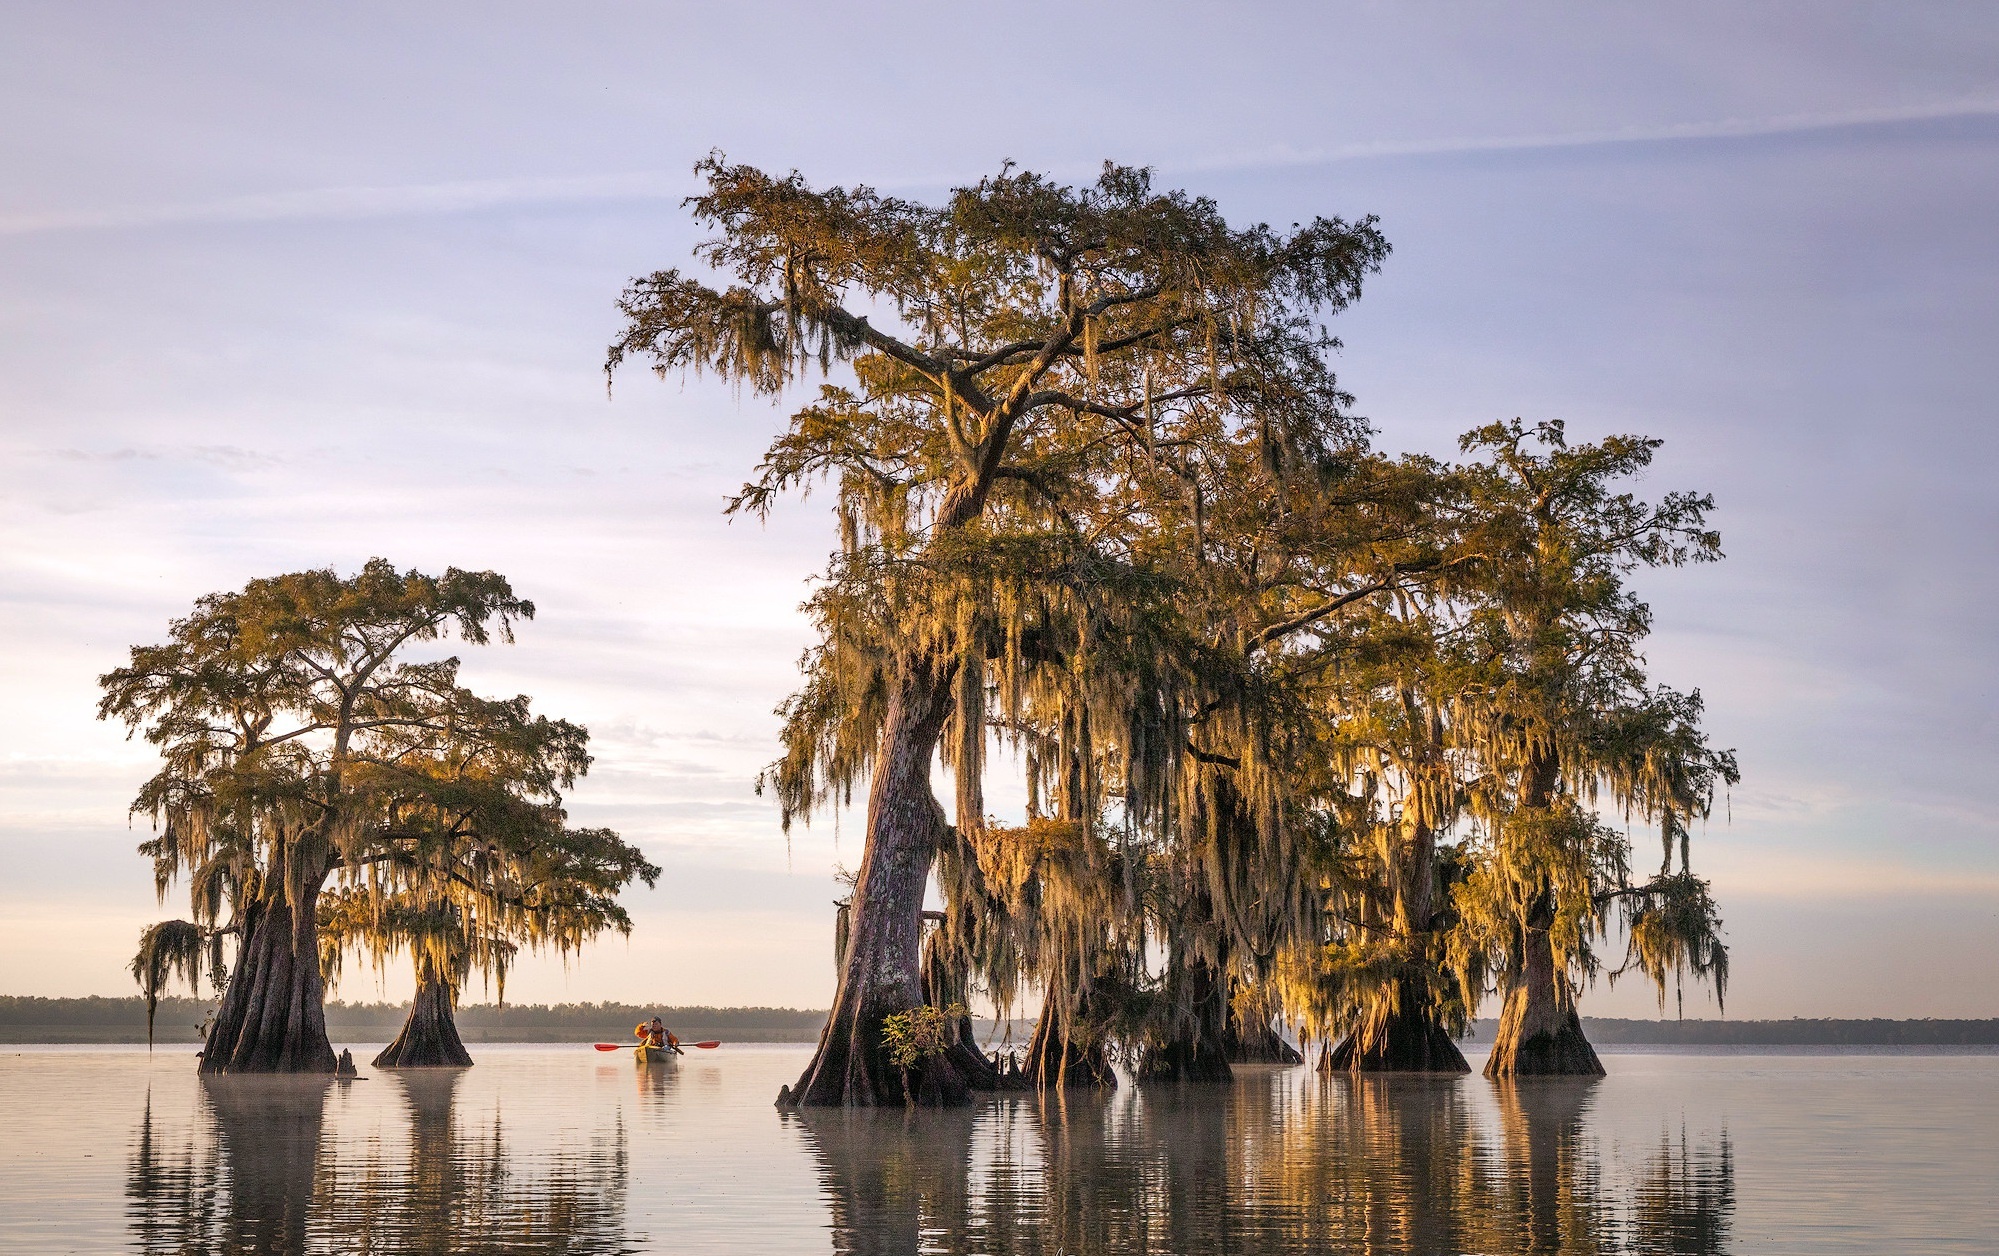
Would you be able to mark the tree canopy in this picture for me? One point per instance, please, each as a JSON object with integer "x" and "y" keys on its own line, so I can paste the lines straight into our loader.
{"x": 302, "y": 738}
{"x": 1045, "y": 384}
{"x": 1308, "y": 731}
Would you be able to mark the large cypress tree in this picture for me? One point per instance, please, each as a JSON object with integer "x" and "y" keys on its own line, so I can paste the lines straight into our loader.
{"x": 1567, "y": 720}
{"x": 302, "y": 742}
{"x": 1383, "y": 978}
{"x": 473, "y": 858}
{"x": 1030, "y": 363}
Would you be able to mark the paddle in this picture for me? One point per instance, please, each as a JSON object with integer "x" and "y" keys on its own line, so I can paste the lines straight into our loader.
{"x": 620, "y": 1046}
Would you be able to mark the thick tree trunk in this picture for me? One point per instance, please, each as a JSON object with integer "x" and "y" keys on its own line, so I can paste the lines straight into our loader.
{"x": 881, "y": 971}
{"x": 1192, "y": 1058}
{"x": 1408, "y": 1039}
{"x": 273, "y": 1016}
{"x": 1403, "y": 1034}
{"x": 1197, "y": 1050}
{"x": 430, "y": 1036}
{"x": 1540, "y": 1034}
{"x": 1054, "y": 1059}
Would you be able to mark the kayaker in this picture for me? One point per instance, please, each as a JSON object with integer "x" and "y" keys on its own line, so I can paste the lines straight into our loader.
{"x": 657, "y": 1036}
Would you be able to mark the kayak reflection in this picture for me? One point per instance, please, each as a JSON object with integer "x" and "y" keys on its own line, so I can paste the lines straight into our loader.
{"x": 656, "y": 1080}
{"x": 1280, "y": 1162}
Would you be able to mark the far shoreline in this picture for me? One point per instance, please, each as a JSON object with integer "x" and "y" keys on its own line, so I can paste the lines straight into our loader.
{"x": 32, "y": 1020}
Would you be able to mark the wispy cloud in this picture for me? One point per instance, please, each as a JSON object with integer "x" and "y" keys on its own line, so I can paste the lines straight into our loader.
{"x": 228, "y": 457}
{"x": 361, "y": 202}
{"x": 1723, "y": 129}
{"x": 471, "y": 196}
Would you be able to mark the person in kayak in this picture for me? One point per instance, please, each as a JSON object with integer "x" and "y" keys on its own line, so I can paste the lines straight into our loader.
{"x": 657, "y": 1036}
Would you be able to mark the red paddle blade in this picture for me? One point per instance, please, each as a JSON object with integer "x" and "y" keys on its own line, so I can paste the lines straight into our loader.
{"x": 709, "y": 1045}
{"x": 609, "y": 1046}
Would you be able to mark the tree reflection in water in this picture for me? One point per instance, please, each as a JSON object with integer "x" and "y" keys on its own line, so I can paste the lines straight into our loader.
{"x": 1282, "y": 1162}
{"x": 267, "y": 1179}
{"x": 1685, "y": 1202}
{"x": 249, "y": 1186}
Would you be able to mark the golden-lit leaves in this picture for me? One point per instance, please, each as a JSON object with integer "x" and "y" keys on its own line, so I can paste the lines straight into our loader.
{"x": 300, "y": 741}
{"x": 1332, "y": 720}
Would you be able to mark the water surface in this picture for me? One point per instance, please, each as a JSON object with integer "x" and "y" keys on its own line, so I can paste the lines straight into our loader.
{"x": 559, "y": 1149}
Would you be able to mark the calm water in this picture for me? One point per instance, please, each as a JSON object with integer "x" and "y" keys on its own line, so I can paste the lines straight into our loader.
{"x": 542, "y": 1149}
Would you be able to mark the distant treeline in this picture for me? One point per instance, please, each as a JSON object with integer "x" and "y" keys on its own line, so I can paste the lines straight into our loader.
{"x": 27, "y": 1019}
{"x": 1797, "y": 1032}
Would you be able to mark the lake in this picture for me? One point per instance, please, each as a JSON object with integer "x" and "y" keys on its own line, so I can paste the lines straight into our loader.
{"x": 561, "y": 1149}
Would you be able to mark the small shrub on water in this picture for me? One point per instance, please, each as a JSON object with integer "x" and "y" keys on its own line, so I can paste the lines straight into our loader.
{"x": 920, "y": 1033}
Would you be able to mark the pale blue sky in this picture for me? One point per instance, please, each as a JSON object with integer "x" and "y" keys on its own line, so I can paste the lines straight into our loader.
{"x": 282, "y": 289}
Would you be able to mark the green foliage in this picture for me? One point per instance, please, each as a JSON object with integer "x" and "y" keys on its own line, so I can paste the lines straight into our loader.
{"x": 920, "y": 1033}
{"x": 165, "y": 949}
{"x": 301, "y": 741}
{"x": 1339, "y": 727}
{"x": 1673, "y": 932}
{"x": 1062, "y": 365}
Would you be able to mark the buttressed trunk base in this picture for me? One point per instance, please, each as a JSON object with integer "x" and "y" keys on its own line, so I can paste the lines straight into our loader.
{"x": 1198, "y": 1049}
{"x": 944, "y": 986}
{"x": 1253, "y": 1042}
{"x": 1407, "y": 1039}
{"x": 1056, "y": 1060}
{"x": 430, "y": 1036}
{"x": 1540, "y": 1034}
{"x": 273, "y": 1017}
